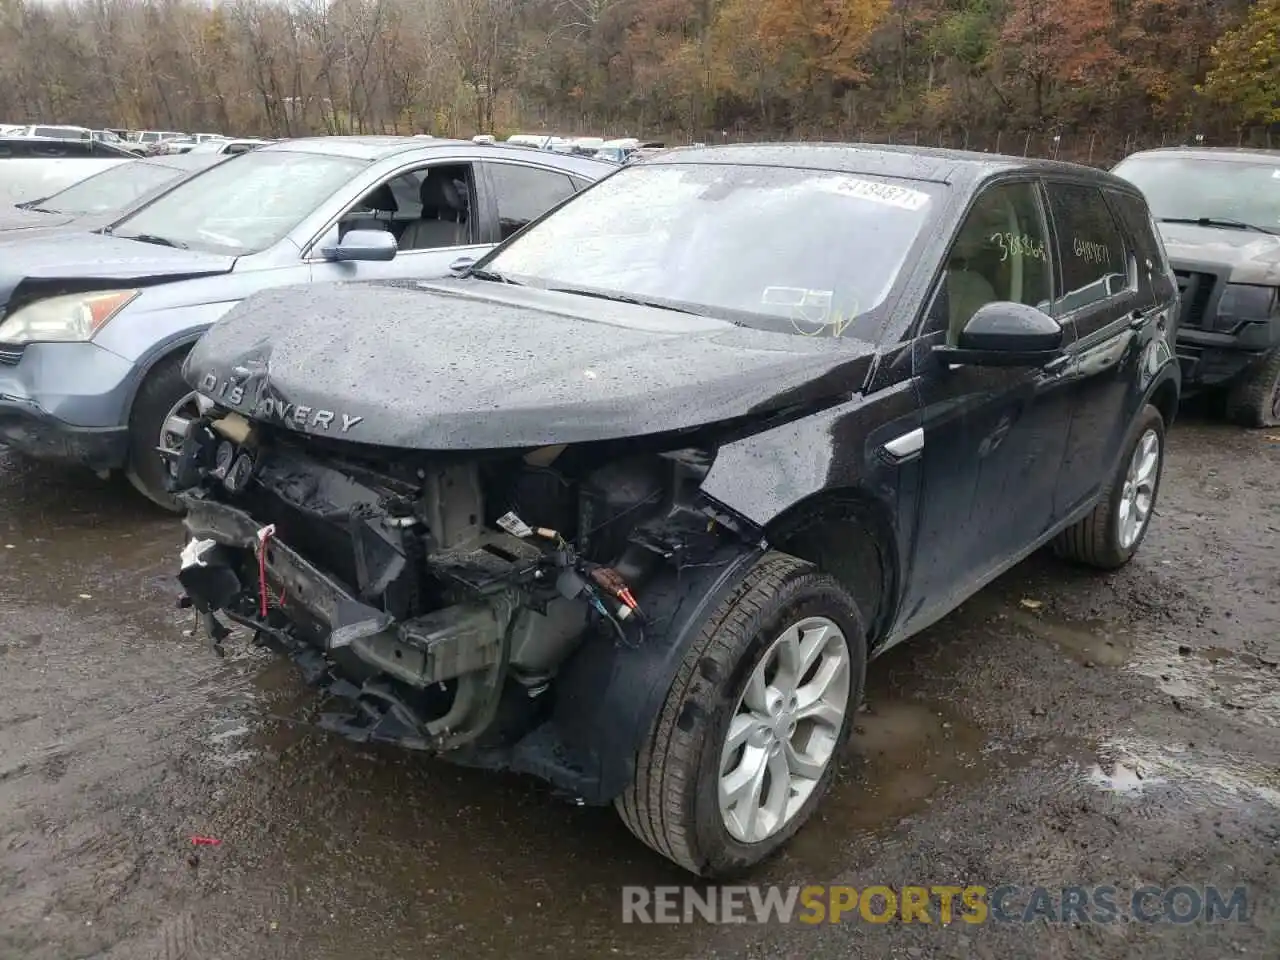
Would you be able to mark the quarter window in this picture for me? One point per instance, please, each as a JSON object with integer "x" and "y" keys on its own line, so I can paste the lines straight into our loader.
{"x": 1142, "y": 230}
{"x": 1001, "y": 253}
{"x": 525, "y": 193}
{"x": 1091, "y": 249}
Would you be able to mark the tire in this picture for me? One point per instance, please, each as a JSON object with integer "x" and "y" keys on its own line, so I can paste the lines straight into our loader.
{"x": 1097, "y": 540}
{"x": 673, "y": 803}
{"x": 1254, "y": 401}
{"x": 160, "y": 393}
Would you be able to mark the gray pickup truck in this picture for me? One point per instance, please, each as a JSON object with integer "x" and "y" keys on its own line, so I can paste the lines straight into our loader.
{"x": 1218, "y": 211}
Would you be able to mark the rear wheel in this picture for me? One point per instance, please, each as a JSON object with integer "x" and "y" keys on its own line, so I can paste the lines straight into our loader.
{"x": 1109, "y": 536}
{"x": 165, "y": 404}
{"x": 1255, "y": 400}
{"x": 754, "y": 725}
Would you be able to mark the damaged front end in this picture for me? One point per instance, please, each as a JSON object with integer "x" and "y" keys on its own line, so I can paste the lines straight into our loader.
{"x": 440, "y": 594}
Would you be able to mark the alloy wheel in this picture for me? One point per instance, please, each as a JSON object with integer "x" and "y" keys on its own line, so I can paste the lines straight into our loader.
{"x": 1138, "y": 496}
{"x": 784, "y": 730}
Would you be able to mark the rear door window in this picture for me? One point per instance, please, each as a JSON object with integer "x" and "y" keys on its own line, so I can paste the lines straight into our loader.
{"x": 524, "y": 193}
{"x": 1092, "y": 254}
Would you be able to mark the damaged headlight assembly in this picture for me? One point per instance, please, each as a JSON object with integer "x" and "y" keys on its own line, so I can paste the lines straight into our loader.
{"x": 70, "y": 318}
{"x": 217, "y": 446}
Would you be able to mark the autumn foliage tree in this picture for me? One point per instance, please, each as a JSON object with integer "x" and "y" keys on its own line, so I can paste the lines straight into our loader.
{"x": 951, "y": 71}
{"x": 1246, "y": 66}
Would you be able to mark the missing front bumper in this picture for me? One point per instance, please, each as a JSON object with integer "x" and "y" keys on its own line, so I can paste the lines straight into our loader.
{"x": 429, "y": 682}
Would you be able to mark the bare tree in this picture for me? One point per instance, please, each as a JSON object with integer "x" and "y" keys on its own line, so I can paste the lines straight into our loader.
{"x": 482, "y": 38}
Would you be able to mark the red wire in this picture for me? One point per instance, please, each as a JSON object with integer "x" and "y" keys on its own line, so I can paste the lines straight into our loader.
{"x": 262, "y": 574}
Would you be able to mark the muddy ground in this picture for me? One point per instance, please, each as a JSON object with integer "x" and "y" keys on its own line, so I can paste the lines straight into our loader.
{"x": 1061, "y": 728}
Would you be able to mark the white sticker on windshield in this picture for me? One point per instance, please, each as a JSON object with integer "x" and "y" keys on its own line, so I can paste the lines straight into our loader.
{"x": 1275, "y": 174}
{"x": 889, "y": 194}
{"x": 808, "y": 310}
{"x": 799, "y": 303}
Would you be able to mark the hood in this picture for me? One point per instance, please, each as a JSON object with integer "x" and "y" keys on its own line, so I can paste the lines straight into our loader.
{"x": 48, "y": 265}
{"x": 1243, "y": 255}
{"x": 470, "y": 365}
{"x": 17, "y": 219}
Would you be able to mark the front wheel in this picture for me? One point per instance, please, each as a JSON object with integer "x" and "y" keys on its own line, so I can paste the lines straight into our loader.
{"x": 1255, "y": 400}
{"x": 1109, "y": 536}
{"x": 163, "y": 408}
{"x": 754, "y": 725}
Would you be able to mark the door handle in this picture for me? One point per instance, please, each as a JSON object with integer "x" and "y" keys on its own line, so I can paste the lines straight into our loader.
{"x": 903, "y": 448}
{"x": 1137, "y": 320}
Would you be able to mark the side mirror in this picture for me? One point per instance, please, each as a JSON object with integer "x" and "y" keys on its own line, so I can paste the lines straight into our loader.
{"x": 363, "y": 245}
{"x": 460, "y": 266}
{"x": 1004, "y": 334}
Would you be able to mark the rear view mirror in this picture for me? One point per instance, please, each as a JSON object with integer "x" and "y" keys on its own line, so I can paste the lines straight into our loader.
{"x": 1004, "y": 334}
{"x": 364, "y": 245}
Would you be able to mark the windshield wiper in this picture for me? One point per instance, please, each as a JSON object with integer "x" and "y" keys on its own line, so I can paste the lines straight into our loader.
{"x": 492, "y": 275}
{"x": 1220, "y": 222}
{"x": 152, "y": 238}
{"x": 624, "y": 298}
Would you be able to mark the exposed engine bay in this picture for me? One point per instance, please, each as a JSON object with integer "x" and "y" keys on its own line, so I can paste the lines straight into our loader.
{"x": 439, "y": 594}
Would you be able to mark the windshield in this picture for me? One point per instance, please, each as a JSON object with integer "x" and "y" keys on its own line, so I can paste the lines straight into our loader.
{"x": 1192, "y": 188}
{"x": 109, "y": 191}
{"x": 244, "y": 205}
{"x": 777, "y": 248}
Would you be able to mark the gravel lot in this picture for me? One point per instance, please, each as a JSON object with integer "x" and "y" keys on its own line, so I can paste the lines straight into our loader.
{"x": 1061, "y": 728}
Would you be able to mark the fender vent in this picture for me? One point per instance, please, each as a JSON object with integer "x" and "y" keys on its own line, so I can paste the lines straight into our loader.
{"x": 11, "y": 353}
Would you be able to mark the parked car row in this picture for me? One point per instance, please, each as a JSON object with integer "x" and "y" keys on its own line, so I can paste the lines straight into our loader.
{"x": 622, "y": 150}
{"x": 137, "y": 142}
{"x": 65, "y": 132}
{"x": 620, "y": 475}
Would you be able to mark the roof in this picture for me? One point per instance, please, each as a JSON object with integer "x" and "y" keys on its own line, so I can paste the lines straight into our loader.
{"x": 892, "y": 160}
{"x": 361, "y": 148}
{"x": 1230, "y": 154}
{"x": 184, "y": 161}
{"x": 379, "y": 148}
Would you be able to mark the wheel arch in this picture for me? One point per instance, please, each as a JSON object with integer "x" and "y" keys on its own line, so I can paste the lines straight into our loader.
{"x": 1164, "y": 397}
{"x": 147, "y": 364}
{"x": 849, "y": 534}
{"x": 609, "y": 695}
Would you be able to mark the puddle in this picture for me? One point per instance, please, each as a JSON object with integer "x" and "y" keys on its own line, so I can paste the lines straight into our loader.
{"x": 1088, "y": 642}
{"x": 1122, "y": 777}
{"x": 1214, "y": 678}
{"x": 1133, "y": 765}
{"x": 903, "y": 755}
